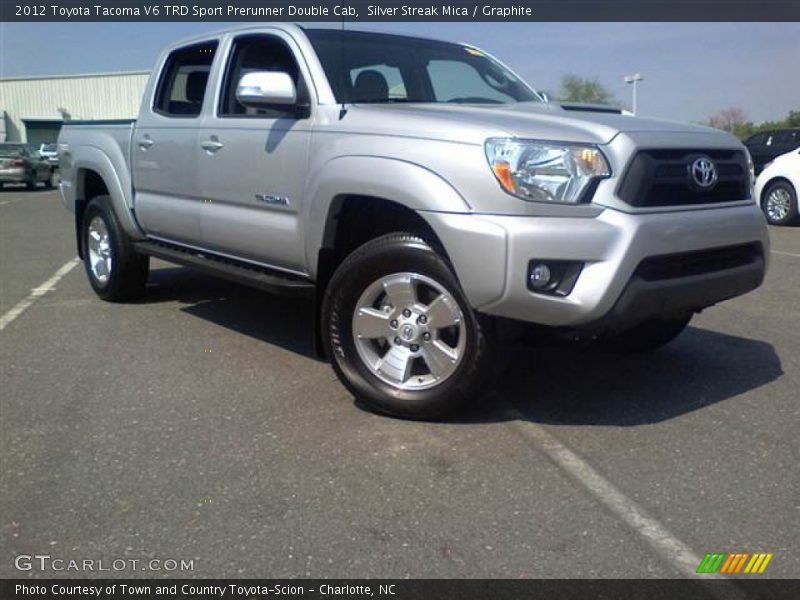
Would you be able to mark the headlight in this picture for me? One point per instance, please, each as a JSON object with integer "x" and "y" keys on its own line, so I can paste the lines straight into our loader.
{"x": 545, "y": 171}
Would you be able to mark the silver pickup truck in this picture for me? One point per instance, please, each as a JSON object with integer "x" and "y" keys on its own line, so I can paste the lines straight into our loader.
{"x": 422, "y": 192}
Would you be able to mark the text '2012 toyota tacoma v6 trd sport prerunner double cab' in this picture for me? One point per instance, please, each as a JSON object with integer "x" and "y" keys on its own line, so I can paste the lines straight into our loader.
{"x": 421, "y": 190}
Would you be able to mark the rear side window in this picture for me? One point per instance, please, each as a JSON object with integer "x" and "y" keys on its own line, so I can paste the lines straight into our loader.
{"x": 786, "y": 139}
{"x": 184, "y": 80}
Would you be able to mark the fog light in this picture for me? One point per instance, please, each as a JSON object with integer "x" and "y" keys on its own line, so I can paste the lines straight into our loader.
{"x": 553, "y": 277}
{"x": 540, "y": 276}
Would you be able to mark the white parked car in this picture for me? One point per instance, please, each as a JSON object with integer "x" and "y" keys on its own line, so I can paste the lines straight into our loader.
{"x": 777, "y": 187}
{"x": 49, "y": 152}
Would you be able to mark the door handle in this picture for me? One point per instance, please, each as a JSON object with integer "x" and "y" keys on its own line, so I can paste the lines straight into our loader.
{"x": 145, "y": 143}
{"x": 211, "y": 146}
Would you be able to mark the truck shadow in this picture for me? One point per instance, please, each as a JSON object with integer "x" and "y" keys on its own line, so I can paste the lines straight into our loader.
{"x": 279, "y": 320}
{"x": 552, "y": 384}
{"x": 584, "y": 385}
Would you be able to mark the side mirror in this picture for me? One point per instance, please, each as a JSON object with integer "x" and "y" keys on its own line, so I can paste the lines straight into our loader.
{"x": 545, "y": 97}
{"x": 266, "y": 87}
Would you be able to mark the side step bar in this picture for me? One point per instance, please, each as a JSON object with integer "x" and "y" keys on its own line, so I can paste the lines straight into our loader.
{"x": 234, "y": 270}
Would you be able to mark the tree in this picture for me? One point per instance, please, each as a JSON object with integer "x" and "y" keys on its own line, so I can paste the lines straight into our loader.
{"x": 728, "y": 119}
{"x": 580, "y": 89}
{"x": 734, "y": 121}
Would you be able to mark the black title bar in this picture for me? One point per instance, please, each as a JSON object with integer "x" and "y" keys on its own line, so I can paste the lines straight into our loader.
{"x": 401, "y": 10}
{"x": 429, "y": 589}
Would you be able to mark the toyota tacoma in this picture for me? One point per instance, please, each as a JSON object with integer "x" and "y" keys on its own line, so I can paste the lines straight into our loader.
{"x": 422, "y": 192}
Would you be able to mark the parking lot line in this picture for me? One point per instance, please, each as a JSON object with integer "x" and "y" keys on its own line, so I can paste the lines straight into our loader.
{"x": 36, "y": 293}
{"x": 785, "y": 253}
{"x": 4, "y": 202}
{"x": 666, "y": 545}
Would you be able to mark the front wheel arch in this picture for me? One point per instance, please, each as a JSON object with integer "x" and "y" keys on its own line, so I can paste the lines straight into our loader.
{"x": 354, "y": 220}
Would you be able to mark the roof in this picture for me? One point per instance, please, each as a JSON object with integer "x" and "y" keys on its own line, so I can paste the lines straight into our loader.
{"x": 74, "y": 75}
{"x": 289, "y": 28}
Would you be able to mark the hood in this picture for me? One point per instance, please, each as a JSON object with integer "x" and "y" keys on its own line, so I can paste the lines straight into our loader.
{"x": 474, "y": 123}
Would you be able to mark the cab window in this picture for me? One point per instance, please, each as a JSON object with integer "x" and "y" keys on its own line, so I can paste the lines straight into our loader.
{"x": 184, "y": 80}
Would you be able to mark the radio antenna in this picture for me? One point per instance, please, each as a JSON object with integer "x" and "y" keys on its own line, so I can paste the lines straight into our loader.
{"x": 342, "y": 72}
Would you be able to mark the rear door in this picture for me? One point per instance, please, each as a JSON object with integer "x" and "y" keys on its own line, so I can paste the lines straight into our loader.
{"x": 164, "y": 146}
{"x": 253, "y": 162}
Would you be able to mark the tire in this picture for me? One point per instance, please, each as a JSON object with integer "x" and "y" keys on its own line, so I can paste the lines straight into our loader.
{"x": 52, "y": 182}
{"x": 780, "y": 203}
{"x": 119, "y": 274}
{"x": 404, "y": 264}
{"x": 31, "y": 183}
{"x": 645, "y": 337}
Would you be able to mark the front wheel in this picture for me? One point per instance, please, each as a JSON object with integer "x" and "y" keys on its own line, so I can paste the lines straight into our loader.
{"x": 780, "y": 203}
{"x": 116, "y": 272}
{"x": 647, "y": 336}
{"x": 400, "y": 332}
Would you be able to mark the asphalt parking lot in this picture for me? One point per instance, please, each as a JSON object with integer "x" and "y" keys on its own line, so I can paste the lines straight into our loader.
{"x": 197, "y": 425}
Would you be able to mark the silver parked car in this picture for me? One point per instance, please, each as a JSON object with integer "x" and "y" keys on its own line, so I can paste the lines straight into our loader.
{"x": 20, "y": 164}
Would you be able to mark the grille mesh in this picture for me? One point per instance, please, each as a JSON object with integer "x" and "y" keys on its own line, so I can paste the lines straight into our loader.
{"x": 661, "y": 178}
{"x": 686, "y": 264}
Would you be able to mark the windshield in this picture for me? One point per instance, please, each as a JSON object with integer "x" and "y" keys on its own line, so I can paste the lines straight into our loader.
{"x": 380, "y": 68}
{"x": 12, "y": 150}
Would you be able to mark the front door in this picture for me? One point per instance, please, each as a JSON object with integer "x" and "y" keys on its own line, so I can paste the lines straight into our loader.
{"x": 253, "y": 162}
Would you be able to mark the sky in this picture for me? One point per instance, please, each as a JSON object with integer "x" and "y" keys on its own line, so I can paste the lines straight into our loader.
{"x": 691, "y": 70}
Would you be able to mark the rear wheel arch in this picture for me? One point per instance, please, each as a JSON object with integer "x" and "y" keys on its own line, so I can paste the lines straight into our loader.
{"x": 90, "y": 185}
{"x": 788, "y": 211}
{"x": 769, "y": 184}
{"x": 116, "y": 272}
{"x": 96, "y": 173}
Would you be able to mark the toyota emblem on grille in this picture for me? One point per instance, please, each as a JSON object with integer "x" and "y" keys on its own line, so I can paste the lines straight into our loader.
{"x": 703, "y": 172}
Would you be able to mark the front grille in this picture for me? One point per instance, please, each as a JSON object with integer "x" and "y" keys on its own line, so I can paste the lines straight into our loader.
{"x": 686, "y": 264}
{"x": 661, "y": 178}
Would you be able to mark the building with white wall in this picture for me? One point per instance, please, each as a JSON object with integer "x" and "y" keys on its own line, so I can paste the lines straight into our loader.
{"x": 32, "y": 109}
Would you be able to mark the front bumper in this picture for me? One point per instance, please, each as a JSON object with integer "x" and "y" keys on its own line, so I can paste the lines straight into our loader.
{"x": 491, "y": 256}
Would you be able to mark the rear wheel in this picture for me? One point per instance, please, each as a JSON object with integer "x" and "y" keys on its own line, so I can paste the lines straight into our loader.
{"x": 647, "y": 336}
{"x": 780, "y": 203}
{"x": 116, "y": 272}
{"x": 400, "y": 332}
